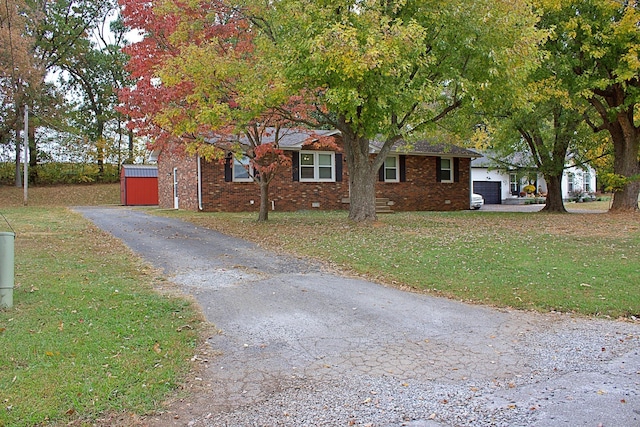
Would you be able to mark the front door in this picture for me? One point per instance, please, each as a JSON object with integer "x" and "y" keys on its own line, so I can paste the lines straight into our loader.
{"x": 175, "y": 188}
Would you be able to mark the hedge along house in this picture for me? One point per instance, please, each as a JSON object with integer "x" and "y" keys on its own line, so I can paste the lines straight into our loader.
{"x": 419, "y": 177}
{"x": 139, "y": 185}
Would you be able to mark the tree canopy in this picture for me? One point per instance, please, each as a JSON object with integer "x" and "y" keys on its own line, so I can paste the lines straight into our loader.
{"x": 390, "y": 70}
{"x": 596, "y": 44}
{"x": 370, "y": 69}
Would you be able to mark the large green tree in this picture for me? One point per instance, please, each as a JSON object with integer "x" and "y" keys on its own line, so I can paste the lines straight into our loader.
{"x": 597, "y": 44}
{"x": 81, "y": 42}
{"x": 21, "y": 73}
{"x": 542, "y": 119}
{"x": 388, "y": 70}
{"x": 93, "y": 71}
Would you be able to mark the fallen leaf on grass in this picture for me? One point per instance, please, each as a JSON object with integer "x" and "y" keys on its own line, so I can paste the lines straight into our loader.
{"x": 156, "y": 348}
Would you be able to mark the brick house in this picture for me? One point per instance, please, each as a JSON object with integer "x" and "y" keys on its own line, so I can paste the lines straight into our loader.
{"x": 425, "y": 177}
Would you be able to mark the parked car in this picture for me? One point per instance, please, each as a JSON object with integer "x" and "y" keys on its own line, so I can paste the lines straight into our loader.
{"x": 477, "y": 201}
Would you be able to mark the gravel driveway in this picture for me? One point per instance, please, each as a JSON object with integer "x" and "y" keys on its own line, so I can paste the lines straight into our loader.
{"x": 300, "y": 346}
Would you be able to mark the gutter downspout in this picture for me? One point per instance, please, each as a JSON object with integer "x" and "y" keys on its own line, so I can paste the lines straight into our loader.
{"x": 199, "y": 184}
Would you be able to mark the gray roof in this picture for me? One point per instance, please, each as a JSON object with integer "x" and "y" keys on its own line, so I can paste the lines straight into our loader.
{"x": 295, "y": 138}
{"x": 427, "y": 148}
{"x": 289, "y": 139}
{"x": 140, "y": 171}
{"x": 482, "y": 162}
{"x": 518, "y": 160}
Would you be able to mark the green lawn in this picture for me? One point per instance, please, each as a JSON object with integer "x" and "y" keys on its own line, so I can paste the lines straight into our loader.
{"x": 88, "y": 336}
{"x": 581, "y": 263}
{"x": 91, "y": 338}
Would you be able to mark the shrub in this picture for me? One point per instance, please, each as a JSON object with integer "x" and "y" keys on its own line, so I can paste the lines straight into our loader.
{"x": 56, "y": 173}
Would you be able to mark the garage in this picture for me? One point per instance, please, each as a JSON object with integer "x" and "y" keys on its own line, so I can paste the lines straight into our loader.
{"x": 491, "y": 191}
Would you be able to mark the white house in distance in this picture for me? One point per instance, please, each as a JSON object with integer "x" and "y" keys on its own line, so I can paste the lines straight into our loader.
{"x": 501, "y": 182}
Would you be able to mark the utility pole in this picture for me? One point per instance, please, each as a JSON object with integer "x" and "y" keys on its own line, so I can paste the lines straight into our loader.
{"x": 26, "y": 154}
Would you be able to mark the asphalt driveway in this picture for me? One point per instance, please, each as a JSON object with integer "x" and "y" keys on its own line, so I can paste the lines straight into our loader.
{"x": 301, "y": 346}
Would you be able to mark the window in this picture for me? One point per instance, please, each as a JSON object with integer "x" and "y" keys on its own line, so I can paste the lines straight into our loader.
{"x": 570, "y": 182}
{"x": 391, "y": 169}
{"x": 242, "y": 169}
{"x": 587, "y": 182}
{"x": 317, "y": 166}
{"x": 446, "y": 170}
{"x": 513, "y": 184}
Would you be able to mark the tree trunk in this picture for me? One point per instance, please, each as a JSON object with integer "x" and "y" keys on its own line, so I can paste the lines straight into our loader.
{"x": 263, "y": 215}
{"x": 362, "y": 179}
{"x": 130, "y": 157}
{"x": 100, "y": 147}
{"x": 626, "y": 145}
{"x": 18, "y": 175}
{"x": 554, "y": 202}
{"x": 627, "y": 199}
{"x": 33, "y": 154}
{"x": 362, "y": 199}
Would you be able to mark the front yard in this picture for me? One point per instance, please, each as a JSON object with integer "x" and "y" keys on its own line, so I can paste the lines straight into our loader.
{"x": 90, "y": 341}
{"x": 580, "y": 263}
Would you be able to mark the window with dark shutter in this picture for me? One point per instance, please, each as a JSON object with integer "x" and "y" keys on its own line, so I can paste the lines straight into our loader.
{"x": 456, "y": 169}
{"x": 295, "y": 166}
{"x": 228, "y": 169}
{"x": 338, "y": 167}
{"x": 403, "y": 168}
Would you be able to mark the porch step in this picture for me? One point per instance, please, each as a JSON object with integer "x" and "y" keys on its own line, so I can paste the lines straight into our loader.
{"x": 382, "y": 206}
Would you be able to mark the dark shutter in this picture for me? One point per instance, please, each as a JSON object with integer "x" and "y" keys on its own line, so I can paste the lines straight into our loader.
{"x": 338, "y": 167}
{"x": 381, "y": 173}
{"x": 228, "y": 169}
{"x": 295, "y": 166}
{"x": 456, "y": 169}
{"x": 403, "y": 168}
{"x": 438, "y": 174}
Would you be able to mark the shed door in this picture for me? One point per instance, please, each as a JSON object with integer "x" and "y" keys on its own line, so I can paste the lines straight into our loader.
{"x": 491, "y": 191}
{"x": 175, "y": 188}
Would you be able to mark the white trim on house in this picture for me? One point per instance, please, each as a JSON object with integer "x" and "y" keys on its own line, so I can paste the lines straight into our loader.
{"x": 391, "y": 172}
{"x": 317, "y": 166}
{"x": 449, "y": 169}
{"x": 241, "y": 169}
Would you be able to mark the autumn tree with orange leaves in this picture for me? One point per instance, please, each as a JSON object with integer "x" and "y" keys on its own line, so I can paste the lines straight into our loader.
{"x": 199, "y": 83}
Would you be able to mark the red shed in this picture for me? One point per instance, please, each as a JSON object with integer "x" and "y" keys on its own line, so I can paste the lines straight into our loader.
{"x": 139, "y": 185}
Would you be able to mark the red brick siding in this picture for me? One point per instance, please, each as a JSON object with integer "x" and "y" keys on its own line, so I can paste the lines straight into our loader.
{"x": 420, "y": 192}
{"x": 286, "y": 195}
{"x": 187, "y": 180}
